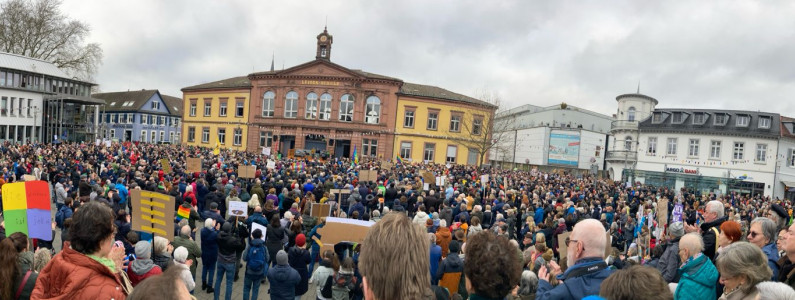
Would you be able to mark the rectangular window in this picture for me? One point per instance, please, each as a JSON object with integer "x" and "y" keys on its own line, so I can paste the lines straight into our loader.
{"x": 720, "y": 119}
{"x": 192, "y": 108}
{"x": 455, "y": 123}
{"x": 122, "y": 118}
{"x": 677, "y": 118}
{"x": 171, "y": 138}
{"x": 151, "y": 119}
{"x": 694, "y": 143}
{"x": 222, "y": 135}
{"x": 671, "y": 150}
{"x": 13, "y": 106}
{"x": 222, "y": 108}
{"x": 742, "y": 121}
{"x": 408, "y": 119}
{"x": 267, "y": 104}
{"x": 114, "y": 118}
{"x": 265, "y": 138}
{"x": 162, "y": 120}
{"x": 310, "y": 112}
{"x": 205, "y": 135}
{"x": 792, "y": 158}
{"x": 162, "y": 136}
{"x": 208, "y": 106}
{"x": 130, "y": 118}
{"x": 429, "y": 152}
{"x": 477, "y": 126}
{"x": 143, "y": 136}
{"x": 144, "y": 119}
{"x": 433, "y": 120}
{"x": 155, "y": 105}
{"x": 714, "y": 151}
{"x": 764, "y": 122}
{"x": 405, "y": 150}
{"x": 3, "y": 106}
{"x": 153, "y": 136}
{"x": 30, "y": 105}
{"x": 370, "y": 147}
{"x": 238, "y": 138}
{"x": 652, "y": 146}
{"x": 739, "y": 148}
{"x": 761, "y": 152}
{"x": 698, "y": 118}
{"x": 451, "y": 154}
{"x": 191, "y": 134}
{"x": 346, "y": 108}
{"x": 291, "y": 108}
{"x": 239, "y": 109}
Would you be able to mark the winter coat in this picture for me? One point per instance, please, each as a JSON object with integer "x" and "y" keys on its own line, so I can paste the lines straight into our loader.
{"x": 447, "y": 215}
{"x": 73, "y": 275}
{"x": 228, "y": 245}
{"x": 299, "y": 259}
{"x": 443, "y": 238}
{"x": 344, "y": 282}
{"x": 669, "y": 262}
{"x": 435, "y": 257}
{"x": 283, "y": 281}
{"x": 320, "y": 276}
{"x": 772, "y": 258}
{"x": 710, "y": 238}
{"x": 141, "y": 269}
{"x": 275, "y": 238}
{"x": 162, "y": 260}
{"x": 698, "y": 278}
{"x": 256, "y": 218}
{"x": 209, "y": 245}
{"x": 420, "y": 218}
{"x": 474, "y": 230}
{"x": 576, "y": 287}
{"x": 452, "y": 264}
{"x": 193, "y": 250}
{"x": 185, "y": 275}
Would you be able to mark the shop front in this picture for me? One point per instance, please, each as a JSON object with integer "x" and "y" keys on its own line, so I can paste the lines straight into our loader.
{"x": 694, "y": 180}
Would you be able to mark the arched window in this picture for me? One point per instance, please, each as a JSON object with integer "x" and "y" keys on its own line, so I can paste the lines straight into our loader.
{"x": 310, "y": 111}
{"x": 346, "y": 108}
{"x": 373, "y": 110}
{"x": 628, "y": 143}
{"x": 631, "y": 113}
{"x": 325, "y": 106}
{"x": 291, "y": 105}
{"x": 267, "y": 104}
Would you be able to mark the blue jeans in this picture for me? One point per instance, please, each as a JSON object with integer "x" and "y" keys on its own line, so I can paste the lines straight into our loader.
{"x": 314, "y": 253}
{"x": 208, "y": 271}
{"x": 251, "y": 283}
{"x": 229, "y": 269}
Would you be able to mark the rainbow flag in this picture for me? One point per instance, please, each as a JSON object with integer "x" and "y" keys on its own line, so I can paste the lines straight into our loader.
{"x": 355, "y": 155}
{"x": 183, "y": 213}
{"x": 399, "y": 160}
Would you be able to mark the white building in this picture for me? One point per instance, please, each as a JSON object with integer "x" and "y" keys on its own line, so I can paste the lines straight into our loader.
{"x": 555, "y": 136}
{"x": 785, "y": 164}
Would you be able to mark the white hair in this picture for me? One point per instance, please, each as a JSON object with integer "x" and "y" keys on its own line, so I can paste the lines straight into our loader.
{"x": 442, "y": 223}
{"x": 770, "y": 290}
{"x": 716, "y": 207}
{"x": 209, "y": 223}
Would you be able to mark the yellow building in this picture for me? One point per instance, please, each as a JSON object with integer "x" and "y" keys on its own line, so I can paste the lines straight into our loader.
{"x": 440, "y": 126}
{"x": 217, "y": 112}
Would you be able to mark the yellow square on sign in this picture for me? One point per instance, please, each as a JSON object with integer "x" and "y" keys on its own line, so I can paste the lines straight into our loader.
{"x": 14, "y": 196}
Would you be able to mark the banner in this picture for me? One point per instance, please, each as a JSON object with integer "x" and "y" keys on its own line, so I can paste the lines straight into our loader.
{"x": 153, "y": 212}
{"x": 564, "y": 148}
{"x": 677, "y": 213}
{"x": 26, "y": 209}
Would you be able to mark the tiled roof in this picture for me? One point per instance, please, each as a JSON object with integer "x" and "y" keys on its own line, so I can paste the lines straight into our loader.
{"x": 174, "y": 105}
{"x": 134, "y": 100}
{"x": 234, "y": 82}
{"x": 323, "y": 61}
{"x": 708, "y": 125}
{"x": 413, "y": 89}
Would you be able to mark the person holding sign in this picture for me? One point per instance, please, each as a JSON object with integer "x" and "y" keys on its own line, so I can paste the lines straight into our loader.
{"x": 93, "y": 266}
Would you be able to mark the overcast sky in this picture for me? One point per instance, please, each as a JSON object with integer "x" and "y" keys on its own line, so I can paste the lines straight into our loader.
{"x": 688, "y": 54}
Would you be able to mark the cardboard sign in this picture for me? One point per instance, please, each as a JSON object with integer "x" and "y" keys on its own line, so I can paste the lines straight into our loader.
{"x": 440, "y": 180}
{"x": 237, "y": 209}
{"x": 484, "y": 179}
{"x": 26, "y": 209}
{"x": 662, "y": 211}
{"x": 271, "y": 165}
{"x": 386, "y": 165}
{"x": 562, "y": 247}
{"x": 428, "y": 177}
{"x": 153, "y": 212}
{"x": 247, "y": 171}
{"x": 368, "y": 175}
{"x": 194, "y": 164}
{"x": 255, "y": 225}
{"x": 166, "y": 165}
{"x": 28, "y": 177}
{"x": 107, "y": 143}
{"x": 266, "y": 151}
{"x": 334, "y": 193}
{"x": 343, "y": 230}
{"x": 320, "y": 210}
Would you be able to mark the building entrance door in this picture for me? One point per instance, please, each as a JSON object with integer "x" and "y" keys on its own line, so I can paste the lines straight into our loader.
{"x": 342, "y": 148}
{"x": 128, "y": 135}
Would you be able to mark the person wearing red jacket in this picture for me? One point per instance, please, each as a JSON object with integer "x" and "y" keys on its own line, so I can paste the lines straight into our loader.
{"x": 142, "y": 267}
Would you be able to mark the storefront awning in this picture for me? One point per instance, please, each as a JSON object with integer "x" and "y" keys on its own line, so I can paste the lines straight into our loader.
{"x": 789, "y": 184}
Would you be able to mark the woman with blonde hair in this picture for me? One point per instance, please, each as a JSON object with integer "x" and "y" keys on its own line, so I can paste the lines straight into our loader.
{"x": 742, "y": 266}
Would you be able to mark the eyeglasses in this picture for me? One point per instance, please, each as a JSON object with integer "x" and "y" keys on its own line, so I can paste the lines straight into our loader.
{"x": 568, "y": 241}
{"x": 753, "y": 234}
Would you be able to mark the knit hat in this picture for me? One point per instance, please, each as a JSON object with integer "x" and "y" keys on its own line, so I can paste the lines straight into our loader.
{"x": 454, "y": 246}
{"x": 676, "y": 229}
{"x": 143, "y": 250}
{"x": 281, "y": 258}
{"x": 213, "y": 206}
{"x": 780, "y": 211}
{"x": 300, "y": 240}
{"x": 180, "y": 254}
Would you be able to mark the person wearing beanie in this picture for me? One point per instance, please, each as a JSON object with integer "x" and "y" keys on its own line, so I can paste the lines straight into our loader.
{"x": 779, "y": 215}
{"x": 449, "y": 273}
{"x": 669, "y": 262}
{"x": 299, "y": 258}
{"x": 182, "y": 263}
{"x": 283, "y": 278}
{"x": 142, "y": 267}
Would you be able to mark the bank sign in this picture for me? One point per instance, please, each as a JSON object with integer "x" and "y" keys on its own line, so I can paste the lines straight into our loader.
{"x": 681, "y": 170}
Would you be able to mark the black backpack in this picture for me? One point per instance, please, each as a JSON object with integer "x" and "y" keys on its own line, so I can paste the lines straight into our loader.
{"x": 326, "y": 290}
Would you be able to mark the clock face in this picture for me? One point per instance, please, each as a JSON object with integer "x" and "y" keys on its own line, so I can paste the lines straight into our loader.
{"x": 323, "y": 38}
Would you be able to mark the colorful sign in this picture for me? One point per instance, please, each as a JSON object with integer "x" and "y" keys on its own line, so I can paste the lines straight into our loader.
{"x": 26, "y": 209}
{"x": 677, "y": 213}
{"x": 564, "y": 148}
{"x": 153, "y": 213}
{"x": 166, "y": 164}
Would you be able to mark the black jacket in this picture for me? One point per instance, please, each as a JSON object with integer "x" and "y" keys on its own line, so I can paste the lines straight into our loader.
{"x": 709, "y": 236}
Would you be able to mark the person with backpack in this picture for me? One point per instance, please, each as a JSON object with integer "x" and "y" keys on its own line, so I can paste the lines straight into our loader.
{"x": 256, "y": 259}
{"x": 344, "y": 281}
{"x": 64, "y": 212}
{"x": 324, "y": 275}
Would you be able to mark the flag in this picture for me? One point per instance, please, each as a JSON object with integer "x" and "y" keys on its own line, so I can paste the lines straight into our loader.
{"x": 355, "y": 155}
{"x": 183, "y": 213}
{"x": 399, "y": 160}
{"x": 217, "y": 149}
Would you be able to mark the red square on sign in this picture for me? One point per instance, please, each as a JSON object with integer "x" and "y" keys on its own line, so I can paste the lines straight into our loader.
{"x": 38, "y": 194}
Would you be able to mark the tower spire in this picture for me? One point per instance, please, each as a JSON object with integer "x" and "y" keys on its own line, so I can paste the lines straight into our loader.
{"x": 272, "y": 57}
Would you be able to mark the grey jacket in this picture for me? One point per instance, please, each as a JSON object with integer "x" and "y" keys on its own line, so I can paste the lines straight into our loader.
{"x": 60, "y": 193}
{"x": 670, "y": 261}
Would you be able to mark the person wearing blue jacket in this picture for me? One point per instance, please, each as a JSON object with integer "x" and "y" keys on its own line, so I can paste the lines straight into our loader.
{"x": 587, "y": 268}
{"x": 698, "y": 276}
{"x": 255, "y": 270}
{"x": 315, "y": 247}
{"x": 539, "y": 215}
{"x": 209, "y": 236}
{"x": 435, "y": 257}
{"x": 283, "y": 278}
{"x": 122, "y": 192}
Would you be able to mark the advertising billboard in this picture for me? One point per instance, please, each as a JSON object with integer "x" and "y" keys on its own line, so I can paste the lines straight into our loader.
{"x": 564, "y": 148}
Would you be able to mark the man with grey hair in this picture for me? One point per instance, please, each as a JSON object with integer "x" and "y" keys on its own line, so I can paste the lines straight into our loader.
{"x": 669, "y": 262}
{"x": 186, "y": 241}
{"x": 587, "y": 268}
{"x": 699, "y": 277}
{"x": 710, "y": 229}
{"x": 763, "y": 233}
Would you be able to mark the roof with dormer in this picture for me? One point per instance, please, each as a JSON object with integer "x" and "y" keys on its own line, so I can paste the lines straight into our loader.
{"x": 713, "y": 121}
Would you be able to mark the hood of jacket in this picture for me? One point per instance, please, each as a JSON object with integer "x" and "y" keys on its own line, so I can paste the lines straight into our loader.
{"x": 700, "y": 270}
{"x": 142, "y": 266}
{"x": 454, "y": 261}
{"x": 281, "y": 273}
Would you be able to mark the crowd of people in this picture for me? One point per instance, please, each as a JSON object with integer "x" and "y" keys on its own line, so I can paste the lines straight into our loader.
{"x": 473, "y": 233}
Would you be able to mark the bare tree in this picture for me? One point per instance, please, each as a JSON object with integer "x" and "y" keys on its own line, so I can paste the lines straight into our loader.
{"x": 485, "y": 133}
{"x": 39, "y": 29}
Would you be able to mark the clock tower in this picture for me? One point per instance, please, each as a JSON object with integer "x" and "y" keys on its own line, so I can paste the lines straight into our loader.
{"x": 324, "y": 41}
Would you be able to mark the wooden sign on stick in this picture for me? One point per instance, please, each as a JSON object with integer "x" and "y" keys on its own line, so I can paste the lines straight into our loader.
{"x": 153, "y": 212}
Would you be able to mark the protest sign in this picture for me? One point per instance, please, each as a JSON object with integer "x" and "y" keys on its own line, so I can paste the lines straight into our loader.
{"x": 368, "y": 175}
{"x": 194, "y": 164}
{"x": 247, "y": 171}
{"x": 428, "y": 177}
{"x": 320, "y": 210}
{"x": 153, "y": 212}
{"x": 266, "y": 151}
{"x": 440, "y": 180}
{"x": 484, "y": 179}
{"x": 255, "y": 226}
{"x": 271, "y": 165}
{"x": 677, "y": 213}
{"x": 662, "y": 211}
{"x": 26, "y": 209}
{"x": 237, "y": 209}
{"x": 343, "y": 230}
{"x": 166, "y": 165}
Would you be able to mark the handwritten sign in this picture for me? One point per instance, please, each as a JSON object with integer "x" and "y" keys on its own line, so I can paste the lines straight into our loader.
{"x": 440, "y": 180}
{"x": 26, "y": 209}
{"x": 166, "y": 164}
{"x": 271, "y": 165}
{"x": 153, "y": 213}
{"x": 428, "y": 177}
{"x": 266, "y": 151}
{"x": 677, "y": 213}
{"x": 237, "y": 209}
{"x": 194, "y": 164}
{"x": 255, "y": 226}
